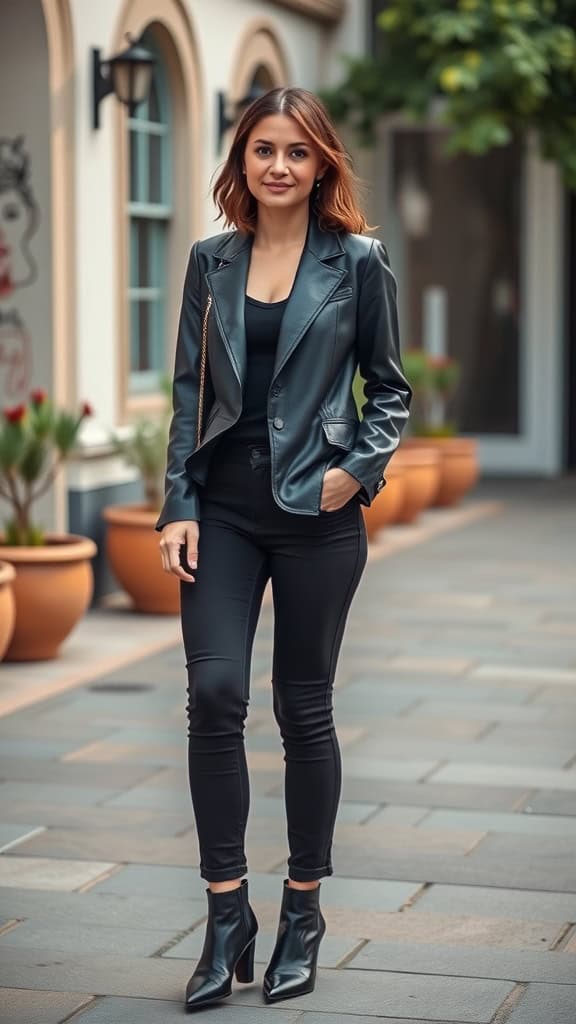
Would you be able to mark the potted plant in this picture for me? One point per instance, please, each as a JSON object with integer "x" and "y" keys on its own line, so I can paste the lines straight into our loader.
{"x": 421, "y": 463}
{"x": 7, "y": 606}
{"x": 131, "y": 541}
{"x": 53, "y": 582}
{"x": 435, "y": 379}
{"x": 385, "y": 508}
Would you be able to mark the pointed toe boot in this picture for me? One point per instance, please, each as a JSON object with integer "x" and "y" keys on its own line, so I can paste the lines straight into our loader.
{"x": 229, "y": 946}
{"x": 292, "y": 968}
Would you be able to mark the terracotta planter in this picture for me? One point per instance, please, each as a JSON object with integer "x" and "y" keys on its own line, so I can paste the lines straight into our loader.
{"x": 52, "y": 588}
{"x": 459, "y": 466}
{"x": 386, "y": 506}
{"x": 422, "y": 467}
{"x": 7, "y": 606}
{"x": 134, "y": 556}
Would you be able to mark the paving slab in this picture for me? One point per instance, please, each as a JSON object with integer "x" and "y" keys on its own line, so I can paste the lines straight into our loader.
{"x": 435, "y": 928}
{"x": 553, "y": 1003}
{"x": 56, "y": 792}
{"x": 549, "y": 754}
{"x": 346, "y": 1018}
{"x": 477, "y": 962}
{"x": 473, "y": 869}
{"x": 156, "y": 1011}
{"x": 515, "y": 824}
{"x": 151, "y": 821}
{"x": 544, "y": 906}
{"x": 20, "y": 769}
{"x": 13, "y": 835}
{"x": 496, "y": 774}
{"x": 321, "y": 1018}
{"x": 67, "y": 909}
{"x": 49, "y": 872}
{"x": 69, "y": 937}
{"x": 552, "y": 802}
{"x": 389, "y": 994}
{"x": 21, "y": 1007}
{"x": 107, "y": 974}
{"x": 435, "y": 794}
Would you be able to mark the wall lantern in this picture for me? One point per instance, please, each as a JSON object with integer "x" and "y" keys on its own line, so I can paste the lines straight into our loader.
{"x": 224, "y": 122}
{"x": 127, "y": 75}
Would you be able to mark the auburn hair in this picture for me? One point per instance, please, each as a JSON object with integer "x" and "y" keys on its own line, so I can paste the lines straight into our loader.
{"x": 335, "y": 201}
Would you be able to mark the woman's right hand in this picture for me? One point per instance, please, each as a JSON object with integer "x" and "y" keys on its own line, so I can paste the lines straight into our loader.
{"x": 173, "y": 537}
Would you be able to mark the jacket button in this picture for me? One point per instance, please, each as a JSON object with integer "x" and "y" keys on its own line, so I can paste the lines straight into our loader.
{"x": 278, "y": 422}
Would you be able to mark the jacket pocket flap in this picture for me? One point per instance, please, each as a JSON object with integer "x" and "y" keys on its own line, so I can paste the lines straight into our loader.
{"x": 340, "y": 431}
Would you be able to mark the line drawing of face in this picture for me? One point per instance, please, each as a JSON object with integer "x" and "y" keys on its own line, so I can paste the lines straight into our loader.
{"x": 15, "y": 359}
{"x": 19, "y": 218}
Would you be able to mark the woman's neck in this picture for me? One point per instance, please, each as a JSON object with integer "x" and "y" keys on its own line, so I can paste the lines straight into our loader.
{"x": 281, "y": 229}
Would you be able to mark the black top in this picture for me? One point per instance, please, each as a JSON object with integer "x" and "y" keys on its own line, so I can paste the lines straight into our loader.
{"x": 262, "y": 321}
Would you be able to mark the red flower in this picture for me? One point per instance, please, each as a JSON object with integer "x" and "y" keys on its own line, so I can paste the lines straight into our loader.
{"x": 38, "y": 396}
{"x": 86, "y": 409}
{"x": 441, "y": 362}
{"x": 16, "y": 414}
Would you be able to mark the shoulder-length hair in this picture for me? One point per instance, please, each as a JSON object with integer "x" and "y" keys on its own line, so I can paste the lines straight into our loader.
{"x": 334, "y": 202}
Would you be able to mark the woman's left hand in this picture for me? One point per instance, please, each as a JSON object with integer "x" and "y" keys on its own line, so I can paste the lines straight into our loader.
{"x": 338, "y": 487}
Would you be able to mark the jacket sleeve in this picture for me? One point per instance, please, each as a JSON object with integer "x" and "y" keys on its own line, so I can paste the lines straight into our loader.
{"x": 181, "y": 499}
{"x": 388, "y": 394}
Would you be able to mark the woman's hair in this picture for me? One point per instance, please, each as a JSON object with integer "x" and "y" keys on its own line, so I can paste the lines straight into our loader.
{"x": 334, "y": 201}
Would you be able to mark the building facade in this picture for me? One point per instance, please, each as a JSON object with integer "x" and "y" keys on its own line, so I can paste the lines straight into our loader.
{"x": 96, "y": 226}
{"x": 96, "y": 223}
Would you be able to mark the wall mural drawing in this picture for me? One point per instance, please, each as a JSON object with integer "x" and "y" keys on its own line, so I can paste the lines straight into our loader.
{"x": 19, "y": 220}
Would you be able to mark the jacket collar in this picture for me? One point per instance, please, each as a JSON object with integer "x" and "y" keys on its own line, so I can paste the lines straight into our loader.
{"x": 315, "y": 282}
{"x": 322, "y": 244}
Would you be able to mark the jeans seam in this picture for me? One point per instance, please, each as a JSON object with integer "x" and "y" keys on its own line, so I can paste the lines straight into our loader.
{"x": 245, "y": 683}
{"x": 331, "y": 672}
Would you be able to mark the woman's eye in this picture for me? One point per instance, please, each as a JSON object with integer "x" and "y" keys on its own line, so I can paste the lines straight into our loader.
{"x": 265, "y": 150}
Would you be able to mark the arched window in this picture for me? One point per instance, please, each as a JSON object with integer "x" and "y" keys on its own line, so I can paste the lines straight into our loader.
{"x": 150, "y": 212}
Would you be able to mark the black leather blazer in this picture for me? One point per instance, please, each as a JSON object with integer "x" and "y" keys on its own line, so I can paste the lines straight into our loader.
{"x": 341, "y": 314}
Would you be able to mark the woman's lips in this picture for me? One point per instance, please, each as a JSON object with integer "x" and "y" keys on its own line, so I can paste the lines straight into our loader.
{"x": 277, "y": 188}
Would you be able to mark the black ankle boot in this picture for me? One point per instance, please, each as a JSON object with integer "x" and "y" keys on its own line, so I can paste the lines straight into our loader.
{"x": 292, "y": 968}
{"x": 228, "y": 947}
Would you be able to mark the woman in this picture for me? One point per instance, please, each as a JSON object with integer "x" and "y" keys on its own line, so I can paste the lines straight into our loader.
{"x": 269, "y": 486}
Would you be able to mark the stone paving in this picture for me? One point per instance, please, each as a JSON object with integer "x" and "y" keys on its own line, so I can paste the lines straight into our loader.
{"x": 454, "y": 893}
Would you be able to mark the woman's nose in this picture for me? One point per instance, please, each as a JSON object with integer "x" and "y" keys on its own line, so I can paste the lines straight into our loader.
{"x": 279, "y": 164}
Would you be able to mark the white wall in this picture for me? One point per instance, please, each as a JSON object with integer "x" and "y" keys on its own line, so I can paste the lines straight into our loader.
{"x": 96, "y": 264}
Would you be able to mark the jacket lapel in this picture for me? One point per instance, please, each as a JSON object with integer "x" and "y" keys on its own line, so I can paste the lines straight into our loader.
{"x": 314, "y": 283}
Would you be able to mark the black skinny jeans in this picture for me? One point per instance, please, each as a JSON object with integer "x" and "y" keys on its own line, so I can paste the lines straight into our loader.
{"x": 315, "y": 564}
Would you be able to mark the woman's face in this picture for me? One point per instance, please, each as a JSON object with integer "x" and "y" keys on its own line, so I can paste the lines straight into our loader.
{"x": 281, "y": 162}
{"x": 16, "y": 223}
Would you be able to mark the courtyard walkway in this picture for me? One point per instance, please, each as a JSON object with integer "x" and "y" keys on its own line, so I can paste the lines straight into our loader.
{"x": 454, "y": 893}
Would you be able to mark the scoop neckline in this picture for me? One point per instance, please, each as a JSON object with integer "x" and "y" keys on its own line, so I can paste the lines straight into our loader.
{"x": 259, "y": 302}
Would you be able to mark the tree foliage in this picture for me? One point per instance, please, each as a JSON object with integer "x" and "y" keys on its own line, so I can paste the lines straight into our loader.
{"x": 500, "y": 69}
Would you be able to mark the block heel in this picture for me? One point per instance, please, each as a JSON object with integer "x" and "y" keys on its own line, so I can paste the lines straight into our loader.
{"x": 245, "y": 965}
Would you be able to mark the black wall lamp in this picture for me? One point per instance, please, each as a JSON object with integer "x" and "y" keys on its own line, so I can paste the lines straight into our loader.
{"x": 127, "y": 75}
{"x": 224, "y": 121}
